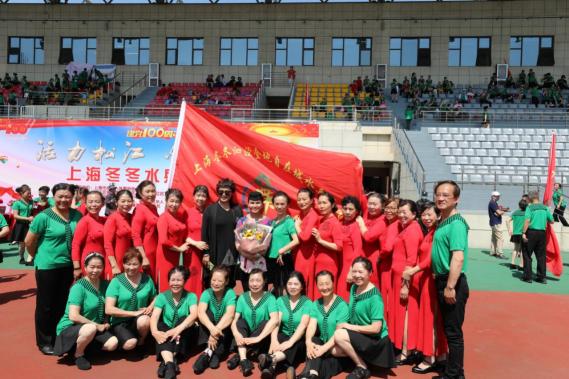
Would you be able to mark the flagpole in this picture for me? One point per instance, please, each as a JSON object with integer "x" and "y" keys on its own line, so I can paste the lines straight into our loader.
{"x": 177, "y": 142}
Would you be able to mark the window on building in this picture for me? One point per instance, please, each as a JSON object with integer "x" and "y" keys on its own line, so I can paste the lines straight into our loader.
{"x": 239, "y": 51}
{"x": 131, "y": 51}
{"x": 531, "y": 51}
{"x": 184, "y": 51}
{"x": 469, "y": 51}
{"x": 294, "y": 51}
{"x": 409, "y": 52}
{"x": 26, "y": 50}
{"x": 79, "y": 50}
{"x": 351, "y": 51}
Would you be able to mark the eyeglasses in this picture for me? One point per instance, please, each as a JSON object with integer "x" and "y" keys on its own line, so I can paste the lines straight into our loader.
{"x": 224, "y": 192}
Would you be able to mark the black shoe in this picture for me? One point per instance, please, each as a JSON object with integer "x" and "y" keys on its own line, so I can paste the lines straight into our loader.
{"x": 233, "y": 362}
{"x": 527, "y": 280}
{"x": 268, "y": 373}
{"x": 359, "y": 373}
{"x": 512, "y": 266}
{"x": 22, "y": 261}
{"x": 541, "y": 280}
{"x": 170, "y": 371}
{"x": 408, "y": 360}
{"x": 201, "y": 364}
{"x": 265, "y": 361}
{"x": 47, "y": 350}
{"x": 214, "y": 361}
{"x": 418, "y": 370}
{"x": 161, "y": 370}
{"x": 519, "y": 268}
{"x": 30, "y": 263}
{"x": 246, "y": 367}
{"x": 82, "y": 363}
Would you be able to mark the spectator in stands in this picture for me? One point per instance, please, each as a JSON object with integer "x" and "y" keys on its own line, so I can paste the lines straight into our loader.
{"x": 15, "y": 80}
{"x": 493, "y": 82}
{"x": 548, "y": 80}
{"x": 534, "y": 93}
{"x": 239, "y": 82}
{"x": 25, "y": 84}
{"x": 562, "y": 83}
{"x": 394, "y": 90}
{"x": 537, "y": 218}
{"x": 532, "y": 81}
{"x": 231, "y": 82}
{"x": 359, "y": 84}
{"x": 447, "y": 85}
{"x": 510, "y": 80}
{"x": 57, "y": 83}
{"x": 353, "y": 87}
{"x": 495, "y": 213}
{"x": 12, "y": 98}
{"x": 409, "y": 115}
{"x": 291, "y": 74}
{"x": 559, "y": 203}
{"x": 209, "y": 81}
{"x": 484, "y": 100}
{"x": 7, "y": 82}
{"x": 522, "y": 79}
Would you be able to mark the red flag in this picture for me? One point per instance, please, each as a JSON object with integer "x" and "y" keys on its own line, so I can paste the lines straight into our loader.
{"x": 208, "y": 149}
{"x": 307, "y": 96}
{"x": 553, "y": 253}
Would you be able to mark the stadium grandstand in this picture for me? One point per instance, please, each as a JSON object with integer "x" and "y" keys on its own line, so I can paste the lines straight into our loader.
{"x": 408, "y": 87}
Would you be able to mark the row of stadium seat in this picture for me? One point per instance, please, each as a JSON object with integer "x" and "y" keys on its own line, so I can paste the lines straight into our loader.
{"x": 507, "y": 179}
{"x": 496, "y": 131}
{"x": 502, "y": 161}
{"x": 469, "y": 145}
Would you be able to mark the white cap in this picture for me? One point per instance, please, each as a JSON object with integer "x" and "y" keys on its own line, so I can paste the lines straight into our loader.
{"x": 495, "y": 193}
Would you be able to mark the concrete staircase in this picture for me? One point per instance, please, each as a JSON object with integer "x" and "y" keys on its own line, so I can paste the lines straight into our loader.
{"x": 136, "y": 106}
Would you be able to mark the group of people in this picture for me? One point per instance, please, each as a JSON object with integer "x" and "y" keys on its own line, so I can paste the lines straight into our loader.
{"x": 378, "y": 288}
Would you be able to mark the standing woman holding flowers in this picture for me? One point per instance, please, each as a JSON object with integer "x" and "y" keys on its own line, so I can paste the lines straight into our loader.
{"x": 193, "y": 257}
{"x": 431, "y": 339}
{"x": 84, "y": 321}
{"x": 88, "y": 236}
{"x": 118, "y": 233}
{"x": 328, "y": 236}
{"x": 306, "y": 221}
{"x": 49, "y": 243}
{"x": 284, "y": 239}
{"x": 352, "y": 244}
{"x": 172, "y": 233}
{"x": 372, "y": 226}
{"x": 144, "y": 230}
{"x": 404, "y": 301}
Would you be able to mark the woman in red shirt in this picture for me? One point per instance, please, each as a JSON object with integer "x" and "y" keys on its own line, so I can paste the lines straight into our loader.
{"x": 118, "y": 233}
{"x": 404, "y": 297}
{"x": 193, "y": 257}
{"x": 304, "y": 223}
{"x": 351, "y": 244}
{"x": 372, "y": 226}
{"x": 144, "y": 231}
{"x": 328, "y": 236}
{"x": 172, "y": 233}
{"x": 431, "y": 340}
{"x": 88, "y": 237}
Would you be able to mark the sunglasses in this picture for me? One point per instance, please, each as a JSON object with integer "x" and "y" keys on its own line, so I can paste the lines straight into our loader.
{"x": 224, "y": 192}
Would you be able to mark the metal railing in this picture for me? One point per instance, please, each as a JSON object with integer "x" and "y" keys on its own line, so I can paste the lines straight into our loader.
{"x": 58, "y": 98}
{"x": 410, "y": 157}
{"x": 512, "y": 118}
{"x": 9, "y": 111}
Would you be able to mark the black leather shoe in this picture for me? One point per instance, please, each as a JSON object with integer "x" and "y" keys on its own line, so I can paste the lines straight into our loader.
{"x": 408, "y": 360}
{"x": 418, "y": 370}
{"x": 47, "y": 350}
{"x": 233, "y": 362}
{"x": 541, "y": 280}
{"x": 526, "y": 280}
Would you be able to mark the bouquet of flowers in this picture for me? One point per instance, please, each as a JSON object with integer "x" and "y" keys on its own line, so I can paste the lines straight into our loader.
{"x": 252, "y": 241}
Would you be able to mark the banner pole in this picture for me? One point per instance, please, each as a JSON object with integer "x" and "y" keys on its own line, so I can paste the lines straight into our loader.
{"x": 177, "y": 142}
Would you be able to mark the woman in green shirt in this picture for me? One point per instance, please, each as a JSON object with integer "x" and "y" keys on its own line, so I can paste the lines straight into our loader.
{"x": 559, "y": 204}
{"x": 4, "y": 231}
{"x": 129, "y": 302}
{"x": 173, "y": 322}
{"x": 287, "y": 342}
{"x": 22, "y": 212}
{"x": 516, "y": 228}
{"x": 84, "y": 320}
{"x": 364, "y": 337}
{"x": 327, "y": 312}
{"x": 255, "y": 319}
{"x": 49, "y": 243}
{"x": 284, "y": 238}
{"x": 216, "y": 311}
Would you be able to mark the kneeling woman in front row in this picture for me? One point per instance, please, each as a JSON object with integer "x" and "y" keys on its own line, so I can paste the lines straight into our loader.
{"x": 255, "y": 319}
{"x": 172, "y": 322}
{"x": 364, "y": 337}
{"x": 130, "y": 299}
{"x": 287, "y": 341}
{"x": 84, "y": 319}
{"x": 327, "y": 312}
{"x": 215, "y": 312}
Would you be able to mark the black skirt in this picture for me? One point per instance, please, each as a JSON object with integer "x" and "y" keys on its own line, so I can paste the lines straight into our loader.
{"x": 243, "y": 328}
{"x": 66, "y": 341}
{"x": 126, "y": 330}
{"x": 327, "y": 365}
{"x": 296, "y": 353}
{"x": 223, "y": 345}
{"x": 376, "y": 352}
{"x": 278, "y": 275}
{"x": 20, "y": 230}
{"x": 516, "y": 238}
{"x": 183, "y": 347}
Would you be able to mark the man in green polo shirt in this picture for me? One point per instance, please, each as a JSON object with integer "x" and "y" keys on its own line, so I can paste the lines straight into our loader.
{"x": 449, "y": 253}
{"x": 537, "y": 218}
{"x": 559, "y": 204}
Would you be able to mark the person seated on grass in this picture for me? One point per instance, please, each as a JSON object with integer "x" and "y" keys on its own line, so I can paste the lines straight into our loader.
{"x": 173, "y": 323}
{"x": 84, "y": 323}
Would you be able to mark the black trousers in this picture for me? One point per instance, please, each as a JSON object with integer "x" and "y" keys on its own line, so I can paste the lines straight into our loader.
{"x": 536, "y": 245}
{"x": 559, "y": 216}
{"x": 224, "y": 343}
{"x": 51, "y": 297}
{"x": 453, "y": 318}
{"x": 245, "y": 330}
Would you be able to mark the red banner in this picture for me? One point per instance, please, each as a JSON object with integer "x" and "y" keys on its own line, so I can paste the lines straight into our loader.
{"x": 553, "y": 252}
{"x": 208, "y": 149}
